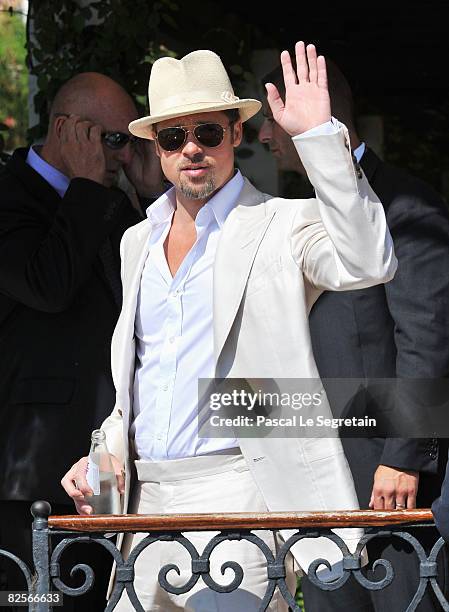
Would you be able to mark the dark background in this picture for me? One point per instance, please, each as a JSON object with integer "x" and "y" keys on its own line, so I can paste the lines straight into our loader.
{"x": 394, "y": 56}
{"x": 397, "y": 48}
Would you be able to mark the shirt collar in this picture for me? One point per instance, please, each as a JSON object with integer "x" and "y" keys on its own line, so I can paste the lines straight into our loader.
{"x": 162, "y": 209}
{"x": 226, "y": 198}
{"x": 220, "y": 204}
{"x": 359, "y": 151}
{"x": 59, "y": 182}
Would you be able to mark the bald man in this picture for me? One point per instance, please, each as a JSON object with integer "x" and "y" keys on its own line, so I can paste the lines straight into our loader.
{"x": 61, "y": 221}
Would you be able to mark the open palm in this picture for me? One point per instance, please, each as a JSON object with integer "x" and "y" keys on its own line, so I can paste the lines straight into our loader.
{"x": 307, "y": 102}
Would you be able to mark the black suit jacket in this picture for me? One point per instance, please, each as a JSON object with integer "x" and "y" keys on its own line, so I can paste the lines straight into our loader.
{"x": 440, "y": 508}
{"x": 57, "y": 314}
{"x": 400, "y": 329}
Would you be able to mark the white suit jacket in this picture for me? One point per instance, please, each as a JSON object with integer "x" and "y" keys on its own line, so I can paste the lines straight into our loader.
{"x": 274, "y": 258}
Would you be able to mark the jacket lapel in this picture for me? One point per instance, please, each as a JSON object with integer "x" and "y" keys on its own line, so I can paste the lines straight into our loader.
{"x": 241, "y": 236}
{"x": 136, "y": 256}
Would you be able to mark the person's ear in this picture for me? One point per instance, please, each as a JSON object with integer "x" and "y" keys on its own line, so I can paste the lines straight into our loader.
{"x": 156, "y": 144}
{"x": 58, "y": 122}
{"x": 237, "y": 133}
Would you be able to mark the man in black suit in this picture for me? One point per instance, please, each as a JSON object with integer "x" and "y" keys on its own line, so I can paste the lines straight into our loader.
{"x": 397, "y": 330}
{"x": 61, "y": 221}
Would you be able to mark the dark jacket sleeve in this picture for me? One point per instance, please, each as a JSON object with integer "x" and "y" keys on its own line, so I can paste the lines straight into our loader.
{"x": 440, "y": 508}
{"x": 418, "y": 300}
{"x": 44, "y": 258}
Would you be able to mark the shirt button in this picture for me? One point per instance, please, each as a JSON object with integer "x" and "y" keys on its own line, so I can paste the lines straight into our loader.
{"x": 171, "y": 340}
{"x": 164, "y": 388}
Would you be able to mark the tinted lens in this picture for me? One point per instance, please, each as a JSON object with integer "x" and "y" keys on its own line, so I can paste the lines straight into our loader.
{"x": 116, "y": 140}
{"x": 209, "y": 134}
{"x": 171, "y": 138}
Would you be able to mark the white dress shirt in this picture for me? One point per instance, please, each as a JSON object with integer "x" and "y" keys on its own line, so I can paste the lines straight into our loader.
{"x": 174, "y": 333}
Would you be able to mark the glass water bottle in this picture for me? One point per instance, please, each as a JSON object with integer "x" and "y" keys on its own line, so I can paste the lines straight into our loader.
{"x": 101, "y": 477}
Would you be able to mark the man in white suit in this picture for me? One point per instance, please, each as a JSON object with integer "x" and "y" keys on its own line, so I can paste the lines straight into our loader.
{"x": 218, "y": 281}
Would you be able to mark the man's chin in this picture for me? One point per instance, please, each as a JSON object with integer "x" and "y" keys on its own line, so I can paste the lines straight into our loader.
{"x": 195, "y": 191}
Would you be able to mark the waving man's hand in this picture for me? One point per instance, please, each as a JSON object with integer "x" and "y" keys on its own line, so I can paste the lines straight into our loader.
{"x": 307, "y": 103}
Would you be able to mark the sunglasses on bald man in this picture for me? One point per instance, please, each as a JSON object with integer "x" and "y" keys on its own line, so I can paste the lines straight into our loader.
{"x": 113, "y": 140}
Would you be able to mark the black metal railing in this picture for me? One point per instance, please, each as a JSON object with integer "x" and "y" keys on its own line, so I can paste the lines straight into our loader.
{"x": 45, "y": 584}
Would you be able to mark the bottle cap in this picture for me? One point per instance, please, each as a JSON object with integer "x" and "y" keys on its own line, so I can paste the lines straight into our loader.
{"x": 98, "y": 435}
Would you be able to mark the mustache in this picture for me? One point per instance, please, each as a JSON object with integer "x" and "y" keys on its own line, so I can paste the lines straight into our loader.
{"x": 198, "y": 158}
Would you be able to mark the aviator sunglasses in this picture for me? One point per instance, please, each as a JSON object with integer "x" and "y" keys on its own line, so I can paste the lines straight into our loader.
{"x": 113, "y": 140}
{"x": 207, "y": 134}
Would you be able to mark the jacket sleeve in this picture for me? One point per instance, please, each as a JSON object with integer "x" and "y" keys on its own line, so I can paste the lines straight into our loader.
{"x": 113, "y": 428}
{"x": 418, "y": 301}
{"x": 340, "y": 239}
{"x": 43, "y": 264}
{"x": 440, "y": 508}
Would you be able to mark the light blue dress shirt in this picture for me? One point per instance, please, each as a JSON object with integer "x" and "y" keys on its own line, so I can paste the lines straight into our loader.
{"x": 57, "y": 180}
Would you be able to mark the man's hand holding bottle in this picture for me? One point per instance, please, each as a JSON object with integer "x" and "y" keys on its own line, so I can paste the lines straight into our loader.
{"x": 96, "y": 482}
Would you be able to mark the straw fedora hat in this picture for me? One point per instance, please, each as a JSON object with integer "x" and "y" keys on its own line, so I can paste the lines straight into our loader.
{"x": 196, "y": 83}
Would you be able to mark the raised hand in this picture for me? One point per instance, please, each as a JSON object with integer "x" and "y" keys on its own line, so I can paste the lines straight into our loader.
{"x": 81, "y": 148}
{"x": 307, "y": 103}
{"x": 144, "y": 170}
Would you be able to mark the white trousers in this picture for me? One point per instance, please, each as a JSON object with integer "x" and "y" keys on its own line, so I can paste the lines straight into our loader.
{"x": 211, "y": 483}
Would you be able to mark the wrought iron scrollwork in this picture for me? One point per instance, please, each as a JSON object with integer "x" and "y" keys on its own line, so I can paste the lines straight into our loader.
{"x": 47, "y": 574}
{"x": 21, "y": 564}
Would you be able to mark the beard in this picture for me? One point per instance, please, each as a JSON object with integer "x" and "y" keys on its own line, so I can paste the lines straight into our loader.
{"x": 198, "y": 192}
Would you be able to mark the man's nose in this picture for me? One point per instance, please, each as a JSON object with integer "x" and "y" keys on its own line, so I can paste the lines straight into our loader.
{"x": 265, "y": 132}
{"x": 191, "y": 147}
{"x": 125, "y": 154}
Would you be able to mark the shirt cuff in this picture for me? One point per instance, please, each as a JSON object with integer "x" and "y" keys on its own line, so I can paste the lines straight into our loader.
{"x": 330, "y": 127}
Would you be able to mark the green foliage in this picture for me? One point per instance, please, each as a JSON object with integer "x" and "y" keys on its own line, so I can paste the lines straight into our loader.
{"x": 123, "y": 39}
{"x": 299, "y": 597}
{"x": 120, "y": 39}
{"x": 13, "y": 80}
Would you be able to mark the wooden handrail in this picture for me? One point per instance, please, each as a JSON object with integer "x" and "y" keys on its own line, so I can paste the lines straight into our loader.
{"x": 239, "y": 520}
